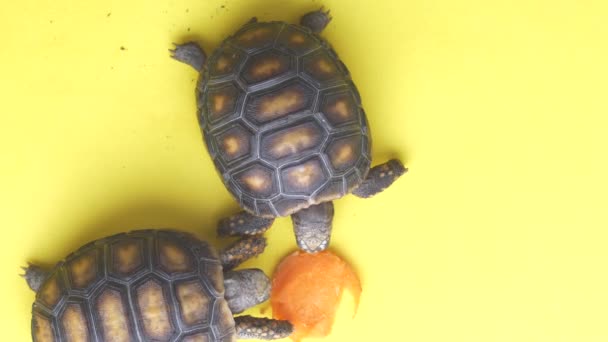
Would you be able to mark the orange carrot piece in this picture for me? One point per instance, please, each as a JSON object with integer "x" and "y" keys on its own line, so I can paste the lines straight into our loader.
{"x": 307, "y": 288}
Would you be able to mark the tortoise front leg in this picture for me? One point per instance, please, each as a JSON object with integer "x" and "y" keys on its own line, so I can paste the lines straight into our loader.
{"x": 379, "y": 178}
{"x": 34, "y": 276}
{"x": 312, "y": 227}
{"x": 243, "y": 224}
{"x": 260, "y": 328}
{"x": 242, "y": 250}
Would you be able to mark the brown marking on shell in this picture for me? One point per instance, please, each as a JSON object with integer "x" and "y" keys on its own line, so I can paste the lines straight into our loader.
{"x": 257, "y": 180}
{"x": 154, "y": 311}
{"x": 305, "y": 177}
{"x": 321, "y": 67}
{"x": 50, "y": 293}
{"x": 297, "y": 41}
{"x": 225, "y": 320}
{"x": 222, "y": 64}
{"x": 266, "y": 66}
{"x": 291, "y": 141}
{"x": 43, "y": 332}
{"x": 75, "y": 324}
{"x": 325, "y": 66}
{"x": 277, "y": 105}
{"x": 234, "y": 143}
{"x": 340, "y": 108}
{"x": 231, "y": 145}
{"x": 215, "y": 274}
{"x": 127, "y": 256}
{"x": 256, "y": 36}
{"x": 280, "y": 102}
{"x": 221, "y": 101}
{"x": 297, "y": 38}
{"x": 197, "y": 338}
{"x": 226, "y": 62}
{"x": 194, "y": 303}
{"x": 83, "y": 269}
{"x": 173, "y": 258}
{"x": 344, "y": 153}
{"x": 113, "y": 317}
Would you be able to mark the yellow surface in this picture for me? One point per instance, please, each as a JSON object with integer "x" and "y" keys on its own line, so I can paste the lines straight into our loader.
{"x": 499, "y": 108}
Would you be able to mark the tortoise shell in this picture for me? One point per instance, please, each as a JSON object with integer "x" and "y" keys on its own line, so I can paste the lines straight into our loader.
{"x": 282, "y": 119}
{"x": 147, "y": 285}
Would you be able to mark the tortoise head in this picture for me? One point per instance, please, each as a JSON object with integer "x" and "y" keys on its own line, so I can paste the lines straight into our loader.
{"x": 245, "y": 289}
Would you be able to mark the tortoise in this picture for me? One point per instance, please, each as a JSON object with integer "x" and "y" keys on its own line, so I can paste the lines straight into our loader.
{"x": 152, "y": 285}
{"x": 283, "y": 123}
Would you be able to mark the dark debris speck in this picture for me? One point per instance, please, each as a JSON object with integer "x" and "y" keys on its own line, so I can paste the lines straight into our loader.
{"x": 122, "y": 48}
{"x": 109, "y": 14}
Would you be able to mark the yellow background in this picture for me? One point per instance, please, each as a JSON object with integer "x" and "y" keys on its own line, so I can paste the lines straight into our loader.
{"x": 499, "y": 109}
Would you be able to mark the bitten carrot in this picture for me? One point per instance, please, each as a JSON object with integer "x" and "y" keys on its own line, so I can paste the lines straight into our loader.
{"x": 307, "y": 288}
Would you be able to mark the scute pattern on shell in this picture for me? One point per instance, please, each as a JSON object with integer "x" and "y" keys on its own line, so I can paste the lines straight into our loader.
{"x": 146, "y": 285}
{"x": 282, "y": 119}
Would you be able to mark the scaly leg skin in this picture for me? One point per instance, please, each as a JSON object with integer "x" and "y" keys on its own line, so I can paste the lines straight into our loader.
{"x": 191, "y": 54}
{"x": 379, "y": 178}
{"x": 245, "y": 289}
{"x": 312, "y": 227}
{"x": 242, "y": 250}
{"x": 34, "y": 276}
{"x": 243, "y": 224}
{"x": 316, "y": 21}
{"x": 259, "y": 328}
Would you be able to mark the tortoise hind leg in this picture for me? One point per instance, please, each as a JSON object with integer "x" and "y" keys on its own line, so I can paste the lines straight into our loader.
{"x": 34, "y": 276}
{"x": 316, "y": 21}
{"x": 312, "y": 227}
{"x": 379, "y": 178}
{"x": 243, "y": 224}
{"x": 241, "y": 251}
{"x": 260, "y": 328}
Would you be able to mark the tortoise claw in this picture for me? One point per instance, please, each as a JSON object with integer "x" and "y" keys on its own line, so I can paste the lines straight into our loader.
{"x": 34, "y": 276}
{"x": 317, "y": 20}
